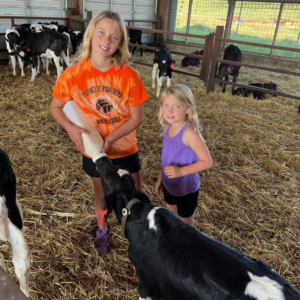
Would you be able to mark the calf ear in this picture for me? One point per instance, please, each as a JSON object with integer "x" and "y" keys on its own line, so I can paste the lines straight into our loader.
{"x": 174, "y": 62}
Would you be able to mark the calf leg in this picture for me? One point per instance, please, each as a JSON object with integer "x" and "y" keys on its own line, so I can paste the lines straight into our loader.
{"x": 159, "y": 84}
{"x": 56, "y": 61}
{"x": 20, "y": 257}
{"x": 2, "y": 262}
{"x": 65, "y": 58}
{"x": 224, "y": 86}
{"x": 34, "y": 67}
{"x": 169, "y": 81}
{"x": 39, "y": 66}
{"x": 13, "y": 63}
{"x": 21, "y": 65}
{"x": 154, "y": 74}
{"x": 234, "y": 79}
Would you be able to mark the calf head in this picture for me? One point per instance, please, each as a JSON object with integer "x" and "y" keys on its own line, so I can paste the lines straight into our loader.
{"x": 165, "y": 66}
{"x": 225, "y": 70}
{"x": 270, "y": 86}
{"x": 118, "y": 186}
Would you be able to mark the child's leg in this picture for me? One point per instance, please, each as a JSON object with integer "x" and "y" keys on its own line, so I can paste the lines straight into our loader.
{"x": 98, "y": 198}
{"x": 186, "y": 207}
{"x": 138, "y": 180}
{"x": 189, "y": 220}
{"x": 172, "y": 208}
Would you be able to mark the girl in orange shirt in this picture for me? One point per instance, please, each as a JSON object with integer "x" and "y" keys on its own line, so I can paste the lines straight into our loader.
{"x": 111, "y": 94}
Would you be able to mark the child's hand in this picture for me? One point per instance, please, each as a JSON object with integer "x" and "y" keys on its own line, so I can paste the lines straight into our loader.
{"x": 158, "y": 188}
{"x": 75, "y": 136}
{"x": 173, "y": 172}
{"x": 106, "y": 145}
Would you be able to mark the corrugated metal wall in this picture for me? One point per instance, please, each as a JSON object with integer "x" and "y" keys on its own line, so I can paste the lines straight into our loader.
{"x": 129, "y": 10}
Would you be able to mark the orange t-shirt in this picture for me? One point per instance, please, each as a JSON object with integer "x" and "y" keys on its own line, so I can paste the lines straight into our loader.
{"x": 105, "y": 98}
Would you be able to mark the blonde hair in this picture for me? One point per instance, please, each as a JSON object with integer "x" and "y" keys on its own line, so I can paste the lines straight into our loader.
{"x": 121, "y": 55}
{"x": 183, "y": 94}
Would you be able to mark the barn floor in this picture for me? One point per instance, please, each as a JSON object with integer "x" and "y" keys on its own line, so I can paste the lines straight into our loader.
{"x": 249, "y": 199}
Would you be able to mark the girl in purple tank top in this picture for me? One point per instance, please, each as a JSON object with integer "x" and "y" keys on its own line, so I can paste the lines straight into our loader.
{"x": 184, "y": 152}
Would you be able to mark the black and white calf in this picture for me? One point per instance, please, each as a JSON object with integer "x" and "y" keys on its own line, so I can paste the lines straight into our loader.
{"x": 163, "y": 65}
{"x": 76, "y": 40}
{"x": 232, "y": 53}
{"x": 192, "y": 61}
{"x": 11, "y": 223}
{"x": 49, "y": 44}
{"x": 175, "y": 261}
{"x": 12, "y": 39}
{"x": 135, "y": 37}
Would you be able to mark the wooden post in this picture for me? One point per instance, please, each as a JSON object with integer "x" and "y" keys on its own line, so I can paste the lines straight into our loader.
{"x": 206, "y": 57}
{"x": 69, "y": 21}
{"x": 157, "y": 27}
{"x": 277, "y": 27}
{"x": 12, "y": 21}
{"x": 189, "y": 21}
{"x": 215, "y": 56}
{"x": 89, "y": 15}
{"x": 229, "y": 21}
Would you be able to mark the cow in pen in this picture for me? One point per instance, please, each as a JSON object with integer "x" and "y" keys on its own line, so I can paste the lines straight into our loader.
{"x": 162, "y": 67}
{"x": 175, "y": 261}
{"x": 232, "y": 53}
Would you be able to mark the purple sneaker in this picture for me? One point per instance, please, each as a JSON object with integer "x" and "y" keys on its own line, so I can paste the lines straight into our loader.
{"x": 101, "y": 240}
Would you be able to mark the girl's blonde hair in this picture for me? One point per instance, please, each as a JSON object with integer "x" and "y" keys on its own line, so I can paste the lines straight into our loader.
{"x": 121, "y": 55}
{"x": 183, "y": 94}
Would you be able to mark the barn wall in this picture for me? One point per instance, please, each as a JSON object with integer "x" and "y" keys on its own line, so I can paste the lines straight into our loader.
{"x": 129, "y": 10}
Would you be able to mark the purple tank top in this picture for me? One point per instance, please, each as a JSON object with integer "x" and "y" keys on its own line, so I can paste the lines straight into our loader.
{"x": 176, "y": 153}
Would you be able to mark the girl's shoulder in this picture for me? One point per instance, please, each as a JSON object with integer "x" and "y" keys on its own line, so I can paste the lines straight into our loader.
{"x": 189, "y": 134}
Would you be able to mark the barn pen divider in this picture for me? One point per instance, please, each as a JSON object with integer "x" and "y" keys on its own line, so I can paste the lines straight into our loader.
{"x": 206, "y": 57}
{"x": 215, "y": 60}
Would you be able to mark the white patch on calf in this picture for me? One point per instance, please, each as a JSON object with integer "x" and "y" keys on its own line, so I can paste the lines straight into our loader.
{"x": 4, "y": 233}
{"x": 159, "y": 84}
{"x": 168, "y": 81}
{"x": 263, "y": 288}
{"x": 148, "y": 298}
{"x": 151, "y": 218}
{"x": 122, "y": 172}
{"x": 20, "y": 250}
{"x": 154, "y": 74}
{"x": 76, "y": 32}
{"x": 163, "y": 61}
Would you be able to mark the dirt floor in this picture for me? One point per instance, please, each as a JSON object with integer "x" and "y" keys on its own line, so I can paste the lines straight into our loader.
{"x": 248, "y": 200}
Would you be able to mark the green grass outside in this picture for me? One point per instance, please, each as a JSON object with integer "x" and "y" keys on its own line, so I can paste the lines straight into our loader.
{"x": 259, "y": 28}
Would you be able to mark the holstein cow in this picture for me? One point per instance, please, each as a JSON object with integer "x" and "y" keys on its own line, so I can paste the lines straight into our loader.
{"x": 247, "y": 92}
{"x": 12, "y": 39}
{"x": 192, "y": 61}
{"x": 175, "y": 261}
{"x": 163, "y": 65}
{"x": 76, "y": 40}
{"x": 135, "y": 37}
{"x": 232, "y": 53}
{"x": 11, "y": 223}
{"x": 49, "y": 44}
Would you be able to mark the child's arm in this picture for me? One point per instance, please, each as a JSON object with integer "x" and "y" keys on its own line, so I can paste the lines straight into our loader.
{"x": 196, "y": 142}
{"x": 74, "y": 132}
{"x": 135, "y": 120}
{"x": 158, "y": 186}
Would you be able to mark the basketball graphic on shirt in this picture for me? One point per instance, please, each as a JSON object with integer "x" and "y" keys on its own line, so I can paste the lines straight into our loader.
{"x": 105, "y": 106}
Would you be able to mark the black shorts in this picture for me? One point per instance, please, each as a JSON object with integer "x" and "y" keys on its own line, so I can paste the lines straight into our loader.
{"x": 186, "y": 205}
{"x": 131, "y": 163}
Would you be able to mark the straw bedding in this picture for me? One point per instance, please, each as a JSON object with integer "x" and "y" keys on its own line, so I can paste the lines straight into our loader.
{"x": 249, "y": 199}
